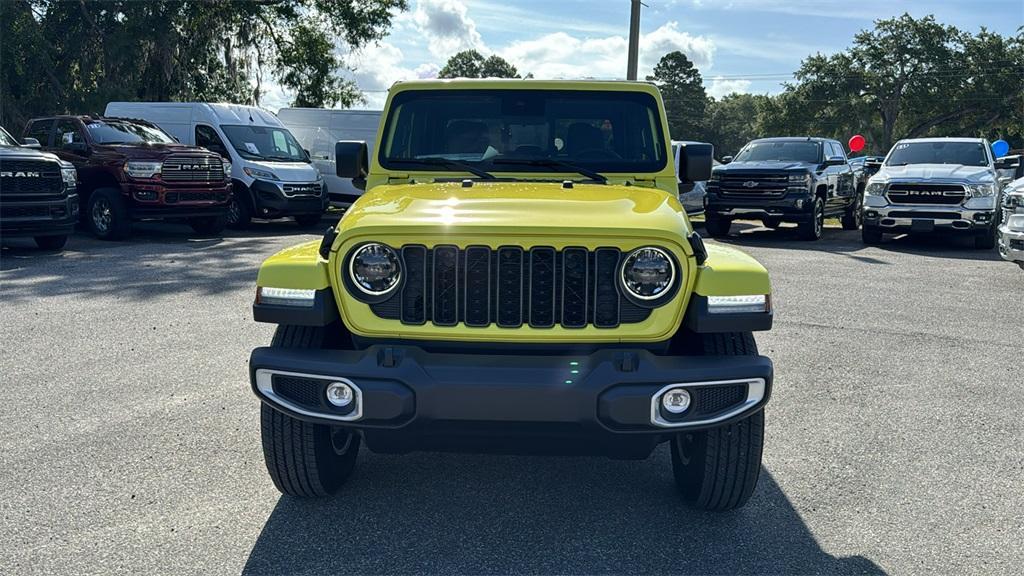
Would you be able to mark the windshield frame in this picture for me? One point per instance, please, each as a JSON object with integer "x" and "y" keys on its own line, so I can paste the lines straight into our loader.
{"x": 109, "y": 122}
{"x": 5, "y": 136}
{"x": 986, "y": 151}
{"x": 487, "y": 163}
{"x": 820, "y": 145}
{"x": 245, "y": 154}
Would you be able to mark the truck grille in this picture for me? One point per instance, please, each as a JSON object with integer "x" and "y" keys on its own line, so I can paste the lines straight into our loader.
{"x": 920, "y": 193}
{"x": 511, "y": 287}
{"x": 757, "y": 184}
{"x": 32, "y": 178}
{"x": 312, "y": 189}
{"x": 192, "y": 168}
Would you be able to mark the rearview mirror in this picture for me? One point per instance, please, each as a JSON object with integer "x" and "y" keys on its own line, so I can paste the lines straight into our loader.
{"x": 351, "y": 160}
{"x": 695, "y": 160}
{"x": 30, "y": 143}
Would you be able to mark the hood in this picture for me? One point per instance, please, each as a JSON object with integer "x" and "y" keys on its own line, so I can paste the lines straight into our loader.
{"x": 516, "y": 208}
{"x": 287, "y": 171}
{"x": 938, "y": 171}
{"x": 149, "y": 151}
{"x": 739, "y": 166}
{"x": 23, "y": 153}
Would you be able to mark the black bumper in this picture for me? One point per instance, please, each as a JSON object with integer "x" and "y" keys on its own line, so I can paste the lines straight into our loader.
{"x": 604, "y": 403}
{"x": 793, "y": 207}
{"x": 272, "y": 202}
{"x": 39, "y": 218}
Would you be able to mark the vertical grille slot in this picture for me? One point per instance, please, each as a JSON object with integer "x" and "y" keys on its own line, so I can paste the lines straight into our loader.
{"x": 574, "y": 287}
{"x": 414, "y": 293}
{"x": 478, "y": 286}
{"x": 606, "y": 295}
{"x": 542, "y": 287}
{"x": 446, "y": 285}
{"x": 510, "y": 287}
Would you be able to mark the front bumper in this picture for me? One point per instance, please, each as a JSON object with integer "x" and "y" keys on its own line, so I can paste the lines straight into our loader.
{"x": 275, "y": 199}
{"x": 1011, "y": 244}
{"x": 606, "y": 402}
{"x": 901, "y": 218}
{"x": 794, "y": 206}
{"x": 39, "y": 218}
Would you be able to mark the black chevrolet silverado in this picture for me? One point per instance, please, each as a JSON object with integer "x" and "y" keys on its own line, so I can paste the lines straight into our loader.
{"x": 775, "y": 180}
{"x": 37, "y": 194}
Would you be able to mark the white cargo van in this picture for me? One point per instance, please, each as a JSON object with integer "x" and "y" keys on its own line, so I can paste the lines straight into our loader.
{"x": 272, "y": 173}
{"x": 317, "y": 129}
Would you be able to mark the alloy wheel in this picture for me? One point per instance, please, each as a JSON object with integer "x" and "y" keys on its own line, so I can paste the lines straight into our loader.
{"x": 102, "y": 215}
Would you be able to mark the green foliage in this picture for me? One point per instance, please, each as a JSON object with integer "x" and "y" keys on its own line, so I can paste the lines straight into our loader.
{"x": 75, "y": 57}
{"x": 472, "y": 64}
{"x": 683, "y": 91}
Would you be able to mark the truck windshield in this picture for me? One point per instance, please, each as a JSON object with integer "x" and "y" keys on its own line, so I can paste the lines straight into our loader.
{"x": 6, "y": 139}
{"x": 126, "y": 132}
{"x": 572, "y": 131}
{"x": 962, "y": 153}
{"x": 809, "y": 152}
{"x": 264, "y": 143}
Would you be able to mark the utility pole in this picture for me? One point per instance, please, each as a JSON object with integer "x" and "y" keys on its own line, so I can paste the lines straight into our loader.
{"x": 634, "y": 39}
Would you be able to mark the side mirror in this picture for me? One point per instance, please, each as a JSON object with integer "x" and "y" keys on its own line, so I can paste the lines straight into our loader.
{"x": 695, "y": 162}
{"x": 1006, "y": 180}
{"x": 726, "y": 159}
{"x": 30, "y": 143}
{"x": 1006, "y": 163}
{"x": 308, "y": 155}
{"x": 351, "y": 160}
{"x": 835, "y": 161}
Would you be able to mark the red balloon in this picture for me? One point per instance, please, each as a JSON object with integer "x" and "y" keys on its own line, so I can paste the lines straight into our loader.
{"x": 856, "y": 143}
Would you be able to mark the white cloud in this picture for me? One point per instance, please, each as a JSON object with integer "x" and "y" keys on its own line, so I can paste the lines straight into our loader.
{"x": 377, "y": 66}
{"x": 447, "y": 27}
{"x": 724, "y": 86}
{"x": 561, "y": 55}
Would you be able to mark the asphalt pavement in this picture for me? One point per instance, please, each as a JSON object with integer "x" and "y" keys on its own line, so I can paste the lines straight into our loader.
{"x": 129, "y": 438}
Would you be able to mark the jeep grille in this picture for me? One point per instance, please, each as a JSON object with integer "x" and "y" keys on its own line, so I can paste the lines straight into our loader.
{"x": 540, "y": 287}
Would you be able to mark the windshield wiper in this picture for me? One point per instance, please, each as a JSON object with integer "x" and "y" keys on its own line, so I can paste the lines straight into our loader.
{"x": 553, "y": 163}
{"x": 437, "y": 161}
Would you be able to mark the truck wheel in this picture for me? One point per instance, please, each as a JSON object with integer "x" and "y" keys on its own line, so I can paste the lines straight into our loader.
{"x": 107, "y": 215}
{"x": 51, "y": 242}
{"x": 871, "y": 235}
{"x": 853, "y": 218}
{"x": 717, "y": 469}
{"x": 717, "y": 227}
{"x": 303, "y": 459}
{"x": 986, "y": 240}
{"x": 208, "y": 225}
{"x": 812, "y": 230}
{"x": 772, "y": 223}
{"x": 239, "y": 211}
{"x": 308, "y": 220}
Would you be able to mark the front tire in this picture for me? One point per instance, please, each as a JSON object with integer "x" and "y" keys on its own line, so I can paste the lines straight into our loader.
{"x": 239, "y": 214}
{"x": 812, "y": 230}
{"x": 772, "y": 223}
{"x": 717, "y": 227}
{"x": 51, "y": 242}
{"x": 107, "y": 215}
{"x": 871, "y": 235}
{"x": 717, "y": 469}
{"x": 854, "y": 218}
{"x": 985, "y": 240}
{"x": 303, "y": 459}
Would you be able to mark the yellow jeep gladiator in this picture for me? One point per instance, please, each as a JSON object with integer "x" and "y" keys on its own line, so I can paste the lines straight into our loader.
{"x": 519, "y": 277}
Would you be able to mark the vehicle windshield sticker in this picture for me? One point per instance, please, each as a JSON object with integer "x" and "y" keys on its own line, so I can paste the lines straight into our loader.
{"x": 902, "y": 146}
{"x": 252, "y": 148}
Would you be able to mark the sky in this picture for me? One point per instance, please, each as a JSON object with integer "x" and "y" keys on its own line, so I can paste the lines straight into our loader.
{"x": 738, "y": 45}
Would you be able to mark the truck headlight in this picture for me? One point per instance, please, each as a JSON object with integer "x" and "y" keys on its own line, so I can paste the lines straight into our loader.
{"x": 875, "y": 189}
{"x": 257, "y": 173}
{"x": 137, "y": 169}
{"x": 70, "y": 176}
{"x": 716, "y": 176}
{"x": 375, "y": 269}
{"x": 227, "y": 169}
{"x": 799, "y": 178}
{"x": 648, "y": 273}
{"x": 980, "y": 190}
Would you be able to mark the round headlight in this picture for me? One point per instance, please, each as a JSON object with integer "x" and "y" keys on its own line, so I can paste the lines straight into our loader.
{"x": 648, "y": 273}
{"x": 375, "y": 269}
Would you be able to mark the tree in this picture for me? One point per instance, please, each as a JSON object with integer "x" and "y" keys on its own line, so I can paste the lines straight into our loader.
{"x": 733, "y": 121}
{"x": 683, "y": 91}
{"x": 472, "y": 64}
{"x": 77, "y": 56}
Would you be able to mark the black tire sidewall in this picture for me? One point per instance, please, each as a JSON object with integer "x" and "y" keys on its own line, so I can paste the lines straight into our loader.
{"x": 120, "y": 222}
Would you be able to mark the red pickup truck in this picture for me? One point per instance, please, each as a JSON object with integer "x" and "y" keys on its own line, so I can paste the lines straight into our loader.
{"x": 130, "y": 170}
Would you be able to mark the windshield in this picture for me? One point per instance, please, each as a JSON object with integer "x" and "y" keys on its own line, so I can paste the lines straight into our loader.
{"x": 809, "y": 152}
{"x": 126, "y": 132}
{"x": 963, "y": 153}
{"x": 525, "y": 130}
{"x": 6, "y": 139}
{"x": 264, "y": 143}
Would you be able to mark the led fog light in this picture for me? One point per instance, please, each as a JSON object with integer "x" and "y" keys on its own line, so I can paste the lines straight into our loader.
{"x": 676, "y": 400}
{"x": 339, "y": 394}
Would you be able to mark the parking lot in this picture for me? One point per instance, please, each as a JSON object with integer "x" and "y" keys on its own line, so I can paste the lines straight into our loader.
{"x": 131, "y": 439}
